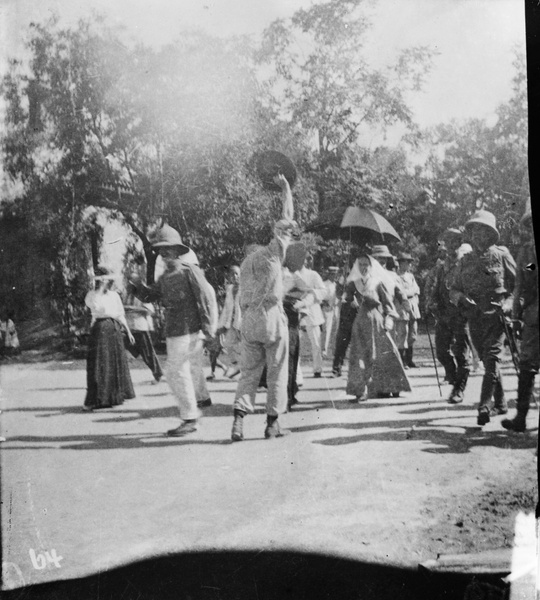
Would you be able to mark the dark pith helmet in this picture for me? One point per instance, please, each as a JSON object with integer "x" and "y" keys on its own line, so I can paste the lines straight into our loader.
{"x": 487, "y": 219}
{"x": 169, "y": 237}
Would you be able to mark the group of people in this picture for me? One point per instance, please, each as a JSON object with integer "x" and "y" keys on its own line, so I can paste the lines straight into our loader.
{"x": 275, "y": 294}
{"x": 478, "y": 299}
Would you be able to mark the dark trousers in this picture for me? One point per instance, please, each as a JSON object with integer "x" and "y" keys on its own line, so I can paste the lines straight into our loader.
{"x": 347, "y": 314}
{"x": 144, "y": 348}
{"x": 452, "y": 346}
{"x": 487, "y": 335}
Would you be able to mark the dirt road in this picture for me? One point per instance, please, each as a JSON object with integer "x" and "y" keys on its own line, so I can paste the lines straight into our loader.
{"x": 392, "y": 480}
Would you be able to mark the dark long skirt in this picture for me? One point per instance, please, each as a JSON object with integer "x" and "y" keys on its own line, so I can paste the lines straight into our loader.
{"x": 144, "y": 348}
{"x": 108, "y": 380}
{"x": 374, "y": 364}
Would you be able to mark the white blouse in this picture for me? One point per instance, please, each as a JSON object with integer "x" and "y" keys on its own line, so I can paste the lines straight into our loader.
{"x": 103, "y": 306}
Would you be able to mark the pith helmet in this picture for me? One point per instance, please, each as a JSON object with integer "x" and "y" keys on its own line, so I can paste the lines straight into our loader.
{"x": 484, "y": 217}
{"x": 526, "y": 218}
{"x": 381, "y": 251}
{"x": 169, "y": 237}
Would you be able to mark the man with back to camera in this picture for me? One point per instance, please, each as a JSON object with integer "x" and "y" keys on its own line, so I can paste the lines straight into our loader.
{"x": 265, "y": 333}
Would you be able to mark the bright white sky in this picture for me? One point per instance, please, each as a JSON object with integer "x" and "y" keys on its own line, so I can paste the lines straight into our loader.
{"x": 475, "y": 38}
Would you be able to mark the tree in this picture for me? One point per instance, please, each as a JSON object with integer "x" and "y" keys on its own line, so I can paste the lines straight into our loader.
{"x": 324, "y": 88}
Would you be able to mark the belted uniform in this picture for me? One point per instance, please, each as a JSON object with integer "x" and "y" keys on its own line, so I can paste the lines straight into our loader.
{"x": 486, "y": 278}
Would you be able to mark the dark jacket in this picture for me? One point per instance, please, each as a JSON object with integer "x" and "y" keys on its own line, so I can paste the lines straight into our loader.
{"x": 184, "y": 295}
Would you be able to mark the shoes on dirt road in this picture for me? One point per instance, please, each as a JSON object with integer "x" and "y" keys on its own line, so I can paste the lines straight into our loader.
{"x": 275, "y": 431}
{"x": 186, "y": 428}
{"x": 483, "y": 416}
{"x": 518, "y": 423}
{"x": 237, "y": 433}
{"x": 456, "y": 397}
{"x": 204, "y": 403}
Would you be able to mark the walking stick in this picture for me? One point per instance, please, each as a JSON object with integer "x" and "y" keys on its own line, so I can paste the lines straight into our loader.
{"x": 433, "y": 356}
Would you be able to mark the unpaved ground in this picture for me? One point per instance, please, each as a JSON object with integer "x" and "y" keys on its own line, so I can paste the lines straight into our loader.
{"x": 394, "y": 481}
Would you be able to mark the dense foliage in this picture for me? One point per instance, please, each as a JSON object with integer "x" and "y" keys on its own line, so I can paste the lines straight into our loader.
{"x": 97, "y": 129}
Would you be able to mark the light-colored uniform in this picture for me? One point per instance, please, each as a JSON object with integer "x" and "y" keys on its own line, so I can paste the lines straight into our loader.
{"x": 407, "y": 325}
{"x": 311, "y": 313}
{"x": 265, "y": 334}
{"x": 330, "y": 312}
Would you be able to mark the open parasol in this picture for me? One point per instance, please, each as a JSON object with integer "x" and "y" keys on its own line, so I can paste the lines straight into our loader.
{"x": 354, "y": 224}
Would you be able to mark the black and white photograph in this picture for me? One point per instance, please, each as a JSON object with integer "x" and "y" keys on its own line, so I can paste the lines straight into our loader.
{"x": 269, "y": 299}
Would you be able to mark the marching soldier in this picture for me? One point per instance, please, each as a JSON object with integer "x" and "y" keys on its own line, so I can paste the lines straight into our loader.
{"x": 451, "y": 340}
{"x": 525, "y": 310}
{"x": 484, "y": 279}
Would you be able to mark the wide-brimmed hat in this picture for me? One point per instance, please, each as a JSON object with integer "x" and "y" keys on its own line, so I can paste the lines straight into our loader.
{"x": 487, "y": 219}
{"x": 169, "y": 237}
{"x": 380, "y": 251}
{"x": 402, "y": 256}
{"x": 452, "y": 232}
{"x": 103, "y": 273}
{"x": 271, "y": 163}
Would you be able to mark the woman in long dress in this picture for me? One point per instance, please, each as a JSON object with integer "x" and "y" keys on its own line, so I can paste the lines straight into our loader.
{"x": 375, "y": 367}
{"x": 107, "y": 372}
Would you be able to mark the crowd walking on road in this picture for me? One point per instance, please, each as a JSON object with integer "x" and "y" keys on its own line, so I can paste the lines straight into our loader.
{"x": 479, "y": 297}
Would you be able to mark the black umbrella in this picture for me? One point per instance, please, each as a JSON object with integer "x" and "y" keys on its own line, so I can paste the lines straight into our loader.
{"x": 354, "y": 224}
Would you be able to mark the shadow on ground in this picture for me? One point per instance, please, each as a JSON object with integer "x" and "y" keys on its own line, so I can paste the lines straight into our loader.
{"x": 258, "y": 576}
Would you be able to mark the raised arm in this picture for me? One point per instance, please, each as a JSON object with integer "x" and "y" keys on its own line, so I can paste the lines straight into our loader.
{"x": 287, "y": 206}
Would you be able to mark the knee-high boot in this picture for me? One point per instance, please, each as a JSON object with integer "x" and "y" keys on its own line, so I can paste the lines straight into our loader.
{"x": 462, "y": 375}
{"x": 525, "y": 392}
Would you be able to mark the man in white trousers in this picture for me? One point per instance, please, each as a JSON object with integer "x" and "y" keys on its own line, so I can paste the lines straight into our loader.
{"x": 183, "y": 291}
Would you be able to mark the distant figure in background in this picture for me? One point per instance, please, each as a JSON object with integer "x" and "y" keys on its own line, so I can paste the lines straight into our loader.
{"x": 407, "y": 328}
{"x": 329, "y": 305}
{"x": 230, "y": 322}
{"x": 140, "y": 322}
{"x": 107, "y": 372}
{"x": 9, "y": 339}
{"x": 525, "y": 316}
{"x": 347, "y": 314}
{"x": 399, "y": 298}
{"x": 451, "y": 337}
{"x": 311, "y": 315}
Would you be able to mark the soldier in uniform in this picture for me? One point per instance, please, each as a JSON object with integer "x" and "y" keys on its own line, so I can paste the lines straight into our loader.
{"x": 484, "y": 279}
{"x": 451, "y": 339}
{"x": 525, "y": 311}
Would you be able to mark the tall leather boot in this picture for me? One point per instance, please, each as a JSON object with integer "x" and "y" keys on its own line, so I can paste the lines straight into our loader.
{"x": 456, "y": 396}
{"x": 501, "y": 406}
{"x": 450, "y": 372}
{"x": 409, "y": 359}
{"x": 403, "y": 355}
{"x": 525, "y": 392}
{"x": 486, "y": 394}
